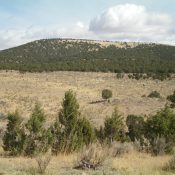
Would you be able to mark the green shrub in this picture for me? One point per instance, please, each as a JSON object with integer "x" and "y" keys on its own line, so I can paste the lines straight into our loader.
{"x": 114, "y": 128}
{"x": 154, "y": 94}
{"x": 71, "y": 131}
{"x": 38, "y": 137}
{"x": 106, "y": 94}
{"x": 120, "y": 75}
{"x": 171, "y": 98}
{"x": 136, "y": 126}
{"x": 14, "y": 137}
{"x": 100, "y": 134}
{"x": 92, "y": 156}
{"x": 86, "y": 131}
{"x": 161, "y": 125}
{"x": 57, "y": 137}
{"x": 161, "y": 76}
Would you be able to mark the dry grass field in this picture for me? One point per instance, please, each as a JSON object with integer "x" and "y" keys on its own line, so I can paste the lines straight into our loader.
{"x": 20, "y": 91}
{"x": 131, "y": 164}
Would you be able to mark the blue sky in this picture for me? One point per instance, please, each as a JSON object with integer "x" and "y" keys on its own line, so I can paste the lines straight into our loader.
{"x": 22, "y": 21}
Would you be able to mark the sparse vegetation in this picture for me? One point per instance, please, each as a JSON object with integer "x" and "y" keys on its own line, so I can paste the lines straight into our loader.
{"x": 155, "y": 76}
{"x": 171, "y": 98}
{"x": 43, "y": 162}
{"x": 170, "y": 166}
{"x": 154, "y": 94}
{"x": 135, "y": 129}
{"x": 120, "y": 75}
{"x": 92, "y": 156}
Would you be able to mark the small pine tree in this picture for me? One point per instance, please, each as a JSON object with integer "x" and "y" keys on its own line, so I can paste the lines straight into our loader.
{"x": 100, "y": 134}
{"x": 136, "y": 126}
{"x": 38, "y": 138}
{"x": 14, "y": 137}
{"x": 86, "y": 131}
{"x": 68, "y": 118}
{"x": 114, "y": 127}
{"x": 69, "y": 113}
{"x": 70, "y": 130}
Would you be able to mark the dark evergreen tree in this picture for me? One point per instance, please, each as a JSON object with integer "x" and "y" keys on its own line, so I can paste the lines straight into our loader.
{"x": 161, "y": 125}
{"x": 136, "y": 128}
{"x": 38, "y": 137}
{"x": 14, "y": 137}
{"x": 106, "y": 94}
{"x": 71, "y": 130}
{"x": 114, "y": 127}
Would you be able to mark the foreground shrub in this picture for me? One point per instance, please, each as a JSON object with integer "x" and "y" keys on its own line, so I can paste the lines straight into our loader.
{"x": 171, "y": 98}
{"x": 159, "y": 146}
{"x": 92, "y": 157}
{"x": 71, "y": 131}
{"x": 161, "y": 125}
{"x": 14, "y": 137}
{"x": 38, "y": 137}
{"x": 114, "y": 128}
{"x": 118, "y": 149}
{"x": 100, "y": 134}
{"x": 136, "y": 126}
{"x": 154, "y": 94}
{"x": 43, "y": 161}
{"x": 106, "y": 94}
{"x": 170, "y": 166}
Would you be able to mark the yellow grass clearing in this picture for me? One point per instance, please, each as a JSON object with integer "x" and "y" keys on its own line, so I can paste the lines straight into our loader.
{"x": 20, "y": 91}
{"x": 140, "y": 163}
{"x": 131, "y": 164}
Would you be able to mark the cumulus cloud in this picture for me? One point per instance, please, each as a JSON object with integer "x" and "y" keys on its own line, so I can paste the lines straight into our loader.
{"x": 14, "y": 37}
{"x": 133, "y": 23}
{"x": 126, "y": 22}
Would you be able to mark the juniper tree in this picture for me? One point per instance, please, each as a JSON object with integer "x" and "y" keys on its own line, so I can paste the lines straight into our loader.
{"x": 114, "y": 127}
{"x": 161, "y": 125}
{"x": 38, "y": 137}
{"x": 71, "y": 129}
{"x": 14, "y": 137}
{"x": 106, "y": 94}
{"x": 136, "y": 128}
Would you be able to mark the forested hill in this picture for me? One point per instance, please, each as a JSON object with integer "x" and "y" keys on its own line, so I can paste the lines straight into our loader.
{"x": 87, "y": 55}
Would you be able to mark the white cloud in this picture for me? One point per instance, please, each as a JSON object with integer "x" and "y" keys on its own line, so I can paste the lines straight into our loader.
{"x": 133, "y": 23}
{"x": 127, "y": 22}
{"x": 14, "y": 37}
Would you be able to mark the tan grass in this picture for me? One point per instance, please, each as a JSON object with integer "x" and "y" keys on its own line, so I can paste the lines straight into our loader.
{"x": 133, "y": 163}
{"x": 140, "y": 162}
{"x": 20, "y": 91}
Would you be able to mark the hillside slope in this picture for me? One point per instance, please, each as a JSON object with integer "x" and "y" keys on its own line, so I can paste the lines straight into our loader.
{"x": 87, "y": 55}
